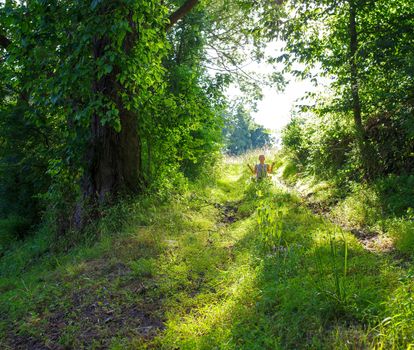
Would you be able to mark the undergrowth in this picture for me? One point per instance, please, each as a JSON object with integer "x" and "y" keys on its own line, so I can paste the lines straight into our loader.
{"x": 382, "y": 206}
{"x": 233, "y": 264}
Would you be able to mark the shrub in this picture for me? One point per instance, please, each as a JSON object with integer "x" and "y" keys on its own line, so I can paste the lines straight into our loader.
{"x": 397, "y": 193}
{"x": 294, "y": 139}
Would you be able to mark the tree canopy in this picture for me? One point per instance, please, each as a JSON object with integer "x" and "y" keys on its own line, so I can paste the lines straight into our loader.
{"x": 365, "y": 49}
{"x": 106, "y": 98}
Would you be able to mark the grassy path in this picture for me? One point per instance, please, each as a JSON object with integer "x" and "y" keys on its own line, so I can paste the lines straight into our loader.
{"x": 230, "y": 265}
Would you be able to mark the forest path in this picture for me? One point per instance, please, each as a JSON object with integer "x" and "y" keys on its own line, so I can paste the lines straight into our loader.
{"x": 286, "y": 278}
{"x": 233, "y": 264}
{"x": 291, "y": 279}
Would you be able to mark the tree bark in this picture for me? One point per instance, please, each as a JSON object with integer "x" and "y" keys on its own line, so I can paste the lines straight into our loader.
{"x": 356, "y": 101}
{"x": 113, "y": 159}
{"x": 356, "y": 104}
{"x": 149, "y": 160}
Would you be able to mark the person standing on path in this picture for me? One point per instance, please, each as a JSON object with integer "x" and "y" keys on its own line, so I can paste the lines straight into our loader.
{"x": 261, "y": 169}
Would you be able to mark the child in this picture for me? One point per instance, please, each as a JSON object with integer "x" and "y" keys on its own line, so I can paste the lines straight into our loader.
{"x": 262, "y": 169}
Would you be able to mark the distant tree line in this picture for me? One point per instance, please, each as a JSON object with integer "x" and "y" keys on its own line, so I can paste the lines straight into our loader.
{"x": 241, "y": 133}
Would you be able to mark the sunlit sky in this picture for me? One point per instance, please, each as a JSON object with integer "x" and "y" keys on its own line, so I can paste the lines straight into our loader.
{"x": 274, "y": 110}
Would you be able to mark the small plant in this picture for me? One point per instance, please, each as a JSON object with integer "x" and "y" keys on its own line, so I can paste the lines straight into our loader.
{"x": 143, "y": 267}
{"x": 334, "y": 271}
{"x": 339, "y": 269}
{"x": 270, "y": 221}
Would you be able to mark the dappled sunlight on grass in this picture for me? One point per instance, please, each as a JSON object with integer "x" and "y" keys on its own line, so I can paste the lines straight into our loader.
{"x": 301, "y": 295}
{"x": 207, "y": 270}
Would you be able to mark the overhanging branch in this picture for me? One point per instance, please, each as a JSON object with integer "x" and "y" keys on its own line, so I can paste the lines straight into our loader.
{"x": 181, "y": 12}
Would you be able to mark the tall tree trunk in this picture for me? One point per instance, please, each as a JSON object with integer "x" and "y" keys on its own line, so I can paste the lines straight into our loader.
{"x": 149, "y": 160}
{"x": 356, "y": 102}
{"x": 113, "y": 159}
{"x": 112, "y": 165}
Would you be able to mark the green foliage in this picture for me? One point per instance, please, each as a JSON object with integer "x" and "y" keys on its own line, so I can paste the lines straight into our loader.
{"x": 396, "y": 193}
{"x": 143, "y": 267}
{"x": 201, "y": 264}
{"x": 331, "y": 141}
{"x": 51, "y": 93}
{"x": 323, "y": 145}
{"x": 294, "y": 139}
{"x": 361, "y": 207}
{"x": 12, "y": 228}
{"x": 338, "y": 266}
{"x": 395, "y": 330}
{"x": 383, "y": 206}
{"x": 25, "y": 148}
{"x": 114, "y": 61}
{"x": 290, "y": 171}
{"x": 185, "y": 136}
{"x": 78, "y": 74}
{"x": 402, "y": 231}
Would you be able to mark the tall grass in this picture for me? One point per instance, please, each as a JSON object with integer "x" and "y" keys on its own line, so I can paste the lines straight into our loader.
{"x": 332, "y": 273}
